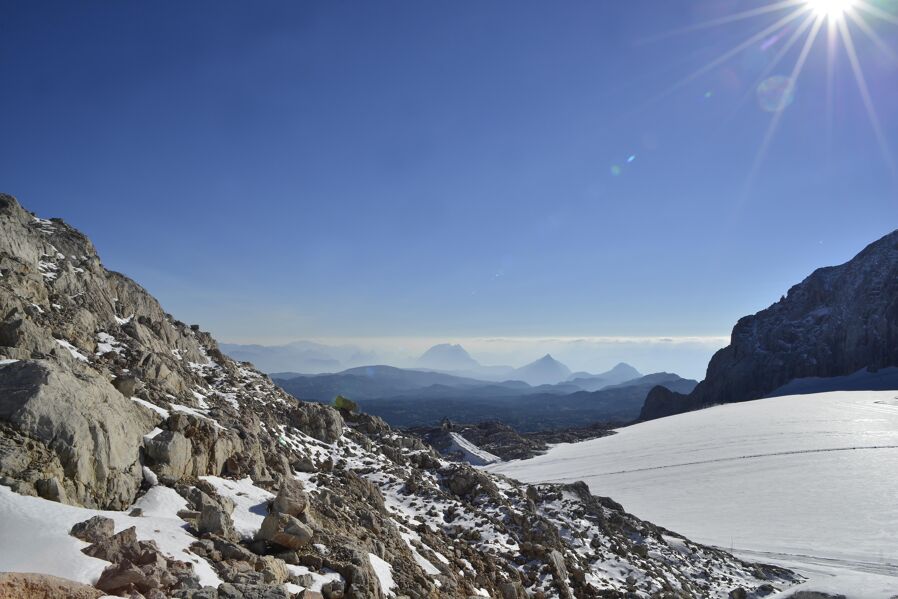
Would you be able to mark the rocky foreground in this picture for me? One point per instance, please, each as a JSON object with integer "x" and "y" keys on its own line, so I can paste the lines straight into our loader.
{"x": 138, "y": 460}
{"x": 500, "y": 440}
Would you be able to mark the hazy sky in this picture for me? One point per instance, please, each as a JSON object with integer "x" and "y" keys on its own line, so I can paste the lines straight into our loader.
{"x": 286, "y": 170}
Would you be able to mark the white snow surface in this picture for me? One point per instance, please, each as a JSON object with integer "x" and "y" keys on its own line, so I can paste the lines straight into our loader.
{"x": 473, "y": 454}
{"x": 805, "y": 481}
{"x": 250, "y": 503}
{"x": 35, "y": 535}
{"x": 384, "y": 572}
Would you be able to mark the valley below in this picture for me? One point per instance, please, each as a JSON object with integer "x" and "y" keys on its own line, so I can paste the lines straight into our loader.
{"x": 806, "y": 482}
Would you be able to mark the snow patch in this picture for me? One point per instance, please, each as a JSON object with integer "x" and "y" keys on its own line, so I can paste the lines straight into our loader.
{"x": 250, "y": 503}
{"x": 384, "y": 572}
{"x": 161, "y": 411}
{"x": 72, "y": 350}
{"x": 36, "y": 535}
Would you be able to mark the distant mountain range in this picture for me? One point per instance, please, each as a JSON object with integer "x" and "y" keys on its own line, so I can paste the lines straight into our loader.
{"x": 527, "y": 412}
{"x": 311, "y": 358}
{"x": 406, "y": 397}
{"x": 836, "y": 330}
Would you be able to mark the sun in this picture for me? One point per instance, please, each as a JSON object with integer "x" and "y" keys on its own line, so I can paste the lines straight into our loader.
{"x": 833, "y": 9}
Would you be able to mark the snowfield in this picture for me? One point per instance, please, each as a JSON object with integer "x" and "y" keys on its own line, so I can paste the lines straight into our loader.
{"x": 809, "y": 482}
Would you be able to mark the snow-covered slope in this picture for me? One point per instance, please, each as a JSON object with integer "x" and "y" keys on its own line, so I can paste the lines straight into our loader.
{"x": 808, "y": 479}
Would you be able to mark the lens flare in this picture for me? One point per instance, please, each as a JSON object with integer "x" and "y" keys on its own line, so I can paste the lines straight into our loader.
{"x": 776, "y": 93}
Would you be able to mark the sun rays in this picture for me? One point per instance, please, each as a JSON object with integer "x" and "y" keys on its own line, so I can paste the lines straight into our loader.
{"x": 804, "y": 24}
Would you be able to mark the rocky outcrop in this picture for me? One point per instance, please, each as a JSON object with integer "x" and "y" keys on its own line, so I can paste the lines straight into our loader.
{"x": 839, "y": 320}
{"x": 136, "y": 566}
{"x": 93, "y": 430}
{"x": 502, "y": 440}
{"x": 104, "y": 396}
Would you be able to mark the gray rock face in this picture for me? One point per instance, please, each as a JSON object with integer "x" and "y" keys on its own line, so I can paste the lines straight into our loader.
{"x": 839, "y": 320}
{"x": 95, "y": 432}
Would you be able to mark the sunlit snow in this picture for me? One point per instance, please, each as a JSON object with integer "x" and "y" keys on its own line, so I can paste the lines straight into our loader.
{"x": 807, "y": 481}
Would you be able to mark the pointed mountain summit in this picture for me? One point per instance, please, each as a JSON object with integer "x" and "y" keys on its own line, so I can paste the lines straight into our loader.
{"x": 545, "y": 371}
{"x": 447, "y": 356}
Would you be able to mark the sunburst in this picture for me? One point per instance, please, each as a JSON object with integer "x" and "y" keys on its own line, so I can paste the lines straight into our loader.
{"x": 837, "y": 21}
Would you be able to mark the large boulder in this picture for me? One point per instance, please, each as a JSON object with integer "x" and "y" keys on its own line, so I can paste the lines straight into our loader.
{"x": 94, "y": 431}
{"x": 285, "y": 530}
{"x": 291, "y": 498}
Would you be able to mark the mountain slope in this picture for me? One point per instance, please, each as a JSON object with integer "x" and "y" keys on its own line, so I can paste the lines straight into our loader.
{"x": 545, "y": 371}
{"x": 108, "y": 402}
{"x": 839, "y": 320}
{"x": 593, "y": 382}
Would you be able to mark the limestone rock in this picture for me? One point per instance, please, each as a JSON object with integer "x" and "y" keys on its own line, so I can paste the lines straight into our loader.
{"x": 291, "y": 498}
{"x": 285, "y": 530}
{"x": 95, "y": 432}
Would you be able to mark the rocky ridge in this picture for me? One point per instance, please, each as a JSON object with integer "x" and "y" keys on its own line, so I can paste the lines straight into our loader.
{"x": 502, "y": 440}
{"x": 233, "y": 489}
{"x": 838, "y": 321}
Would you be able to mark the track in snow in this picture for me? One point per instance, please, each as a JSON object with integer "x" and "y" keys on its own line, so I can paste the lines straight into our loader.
{"x": 718, "y": 460}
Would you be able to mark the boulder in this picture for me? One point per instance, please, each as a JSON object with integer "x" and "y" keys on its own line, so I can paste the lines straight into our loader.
{"x": 95, "y": 530}
{"x": 95, "y": 432}
{"x": 215, "y": 520}
{"x": 284, "y": 530}
{"x": 321, "y": 422}
{"x": 126, "y": 385}
{"x": 291, "y": 498}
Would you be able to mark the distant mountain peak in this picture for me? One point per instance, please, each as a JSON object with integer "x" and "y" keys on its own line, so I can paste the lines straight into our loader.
{"x": 447, "y": 356}
{"x": 544, "y": 371}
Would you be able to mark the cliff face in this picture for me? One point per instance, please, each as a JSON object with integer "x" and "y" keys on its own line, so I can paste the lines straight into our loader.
{"x": 106, "y": 402}
{"x": 839, "y": 320}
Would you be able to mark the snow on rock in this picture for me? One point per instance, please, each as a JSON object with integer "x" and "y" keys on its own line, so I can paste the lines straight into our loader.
{"x": 318, "y": 579}
{"x": 35, "y": 535}
{"x": 472, "y": 454}
{"x": 161, "y": 411}
{"x": 72, "y": 350}
{"x": 384, "y": 573}
{"x": 250, "y": 503}
{"x": 106, "y": 343}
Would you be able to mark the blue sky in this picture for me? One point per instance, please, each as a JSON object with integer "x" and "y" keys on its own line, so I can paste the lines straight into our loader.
{"x": 288, "y": 170}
